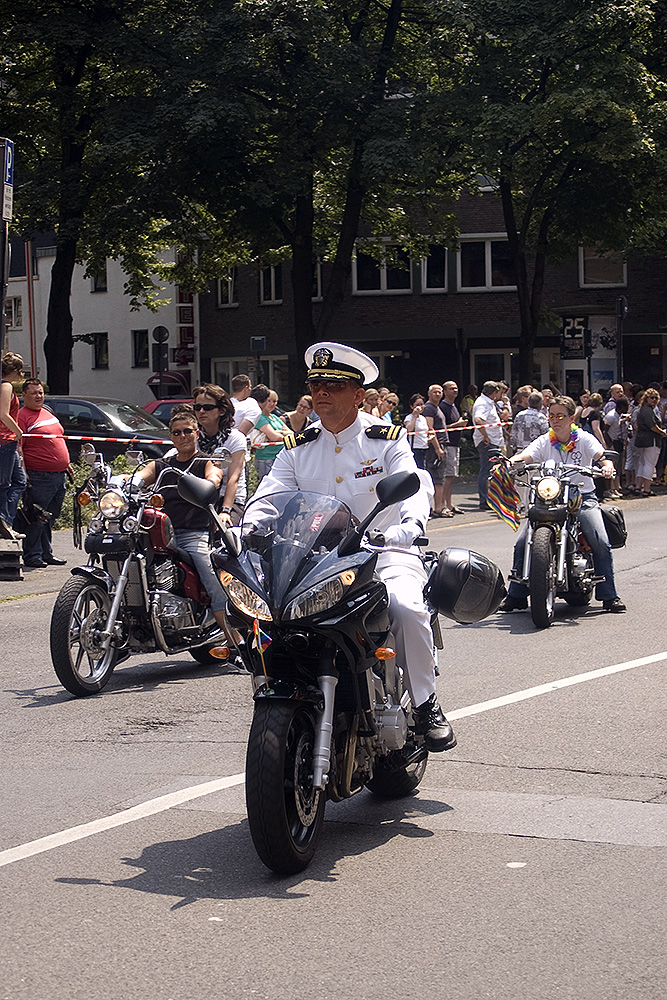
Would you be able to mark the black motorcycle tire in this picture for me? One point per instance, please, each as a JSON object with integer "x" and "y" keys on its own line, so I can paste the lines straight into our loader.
{"x": 202, "y": 655}
{"x": 79, "y": 672}
{"x": 542, "y": 579}
{"x": 285, "y": 813}
{"x": 391, "y": 783}
{"x": 578, "y": 599}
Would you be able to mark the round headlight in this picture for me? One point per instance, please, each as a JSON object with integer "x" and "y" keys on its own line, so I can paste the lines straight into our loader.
{"x": 112, "y": 505}
{"x": 548, "y": 488}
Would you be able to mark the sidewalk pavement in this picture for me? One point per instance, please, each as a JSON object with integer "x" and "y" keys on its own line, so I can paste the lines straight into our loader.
{"x": 50, "y": 579}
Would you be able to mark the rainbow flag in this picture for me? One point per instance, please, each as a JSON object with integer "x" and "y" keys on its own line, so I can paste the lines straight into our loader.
{"x": 503, "y": 497}
{"x": 262, "y": 641}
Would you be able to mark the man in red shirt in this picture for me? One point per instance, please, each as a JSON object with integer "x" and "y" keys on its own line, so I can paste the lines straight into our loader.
{"x": 46, "y": 462}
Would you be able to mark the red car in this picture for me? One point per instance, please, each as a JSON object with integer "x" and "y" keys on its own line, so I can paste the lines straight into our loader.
{"x": 161, "y": 408}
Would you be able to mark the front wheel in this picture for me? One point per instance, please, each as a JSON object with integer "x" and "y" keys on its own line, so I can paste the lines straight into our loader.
{"x": 82, "y": 664}
{"x": 543, "y": 574}
{"x": 285, "y": 812}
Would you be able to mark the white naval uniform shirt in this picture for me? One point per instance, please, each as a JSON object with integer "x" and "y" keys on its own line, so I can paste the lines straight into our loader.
{"x": 348, "y": 466}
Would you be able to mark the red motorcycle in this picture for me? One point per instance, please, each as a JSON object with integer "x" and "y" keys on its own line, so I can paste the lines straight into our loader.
{"x": 138, "y": 592}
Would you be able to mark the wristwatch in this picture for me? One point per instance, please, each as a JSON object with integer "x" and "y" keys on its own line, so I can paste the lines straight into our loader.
{"x": 226, "y": 510}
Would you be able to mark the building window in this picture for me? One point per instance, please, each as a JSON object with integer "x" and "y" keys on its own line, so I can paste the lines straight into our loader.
{"x": 485, "y": 265}
{"x": 271, "y": 285}
{"x": 140, "y": 348}
{"x": 98, "y": 280}
{"x": 270, "y": 369}
{"x": 372, "y": 277}
{"x": 228, "y": 289}
{"x": 14, "y": 311}
{"x": 100, "y": 350}
{"x": 599, "y": 269}
{"x": 434, "y": 270}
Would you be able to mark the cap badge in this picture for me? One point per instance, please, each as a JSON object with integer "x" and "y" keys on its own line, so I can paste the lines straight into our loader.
{"x": 322, "y": 358}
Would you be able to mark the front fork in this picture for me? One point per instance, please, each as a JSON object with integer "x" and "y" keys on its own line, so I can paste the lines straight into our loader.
{"x": 106, "y": 636}
{"x": 324, "y": 732}
{"x": 561, "y": 541}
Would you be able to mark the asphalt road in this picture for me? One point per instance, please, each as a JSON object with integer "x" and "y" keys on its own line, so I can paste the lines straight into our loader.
{"x": 530, "y": 863}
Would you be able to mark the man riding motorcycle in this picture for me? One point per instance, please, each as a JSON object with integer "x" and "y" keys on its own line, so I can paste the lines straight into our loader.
{"x": 567, "y": 444}
{"x": 345, "y": 454}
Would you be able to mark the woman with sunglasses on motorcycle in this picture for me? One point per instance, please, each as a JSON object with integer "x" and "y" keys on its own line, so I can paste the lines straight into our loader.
{"x": 191, "y": 524}
{"x": 214, "y": 411}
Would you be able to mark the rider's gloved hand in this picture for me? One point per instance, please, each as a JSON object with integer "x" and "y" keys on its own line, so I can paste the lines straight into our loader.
{"x": 403, "y": 534}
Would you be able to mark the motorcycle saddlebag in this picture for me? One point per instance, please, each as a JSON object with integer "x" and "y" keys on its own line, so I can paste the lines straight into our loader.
{"x": 614, "y": 522}
{"x": 464, "y": 586}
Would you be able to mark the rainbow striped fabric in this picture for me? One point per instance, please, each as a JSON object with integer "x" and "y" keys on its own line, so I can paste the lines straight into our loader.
{"x": 503, "y": 497}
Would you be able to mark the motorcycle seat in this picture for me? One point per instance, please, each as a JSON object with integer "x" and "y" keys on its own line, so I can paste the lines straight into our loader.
{"x": 185, "y": 557}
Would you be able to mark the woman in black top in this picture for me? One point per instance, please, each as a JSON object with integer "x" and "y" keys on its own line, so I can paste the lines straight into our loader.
{"x": 191, "y": 524}
{"x": 648, "y": 439}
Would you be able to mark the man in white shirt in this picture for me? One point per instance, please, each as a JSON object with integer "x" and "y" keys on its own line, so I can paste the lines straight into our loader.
{"x": 488, "y": 433}
{"x": 246, "y": 408}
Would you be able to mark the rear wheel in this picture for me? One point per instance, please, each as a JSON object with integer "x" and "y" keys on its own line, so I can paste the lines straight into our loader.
{"x": 581, "y": 598}
{"x": 543, "y": 571}
{"x": 80, "y": 613}
{"x": 285, "y": 812}
{"x": 395, "y": 783}
{"x": 203, "y": 655}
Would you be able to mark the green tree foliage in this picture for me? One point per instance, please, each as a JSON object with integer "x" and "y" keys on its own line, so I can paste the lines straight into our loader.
{"x": 563, "y": 114}
{"x": 76, "y": 88}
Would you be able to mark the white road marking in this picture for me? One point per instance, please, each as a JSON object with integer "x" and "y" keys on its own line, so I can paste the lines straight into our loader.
{"x": 164, "y": 802}
{"x": 510, "y": 699}
{"x": 149, "y": 808}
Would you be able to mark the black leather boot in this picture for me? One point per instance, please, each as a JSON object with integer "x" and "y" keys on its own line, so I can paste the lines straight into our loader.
{"x": 430, "y": 722}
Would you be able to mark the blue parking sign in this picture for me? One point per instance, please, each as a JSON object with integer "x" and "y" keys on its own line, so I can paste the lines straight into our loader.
{"x": 9, "y": 162}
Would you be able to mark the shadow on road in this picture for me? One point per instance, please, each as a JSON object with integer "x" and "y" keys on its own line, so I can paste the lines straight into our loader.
{"x": 222, "y": 865}
{"x": 144, "y": 676}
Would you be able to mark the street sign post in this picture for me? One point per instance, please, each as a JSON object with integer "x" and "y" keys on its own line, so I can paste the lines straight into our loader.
{"x": 7, "y": 153}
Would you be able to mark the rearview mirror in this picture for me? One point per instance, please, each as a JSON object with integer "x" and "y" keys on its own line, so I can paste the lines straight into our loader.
{"x": 134, "y": 458}
{"x": 199, "y": 492}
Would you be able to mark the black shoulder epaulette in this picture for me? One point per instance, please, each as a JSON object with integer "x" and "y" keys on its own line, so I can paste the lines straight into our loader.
{"x": 294, "y": 440}
{"x": 388, "y": 432}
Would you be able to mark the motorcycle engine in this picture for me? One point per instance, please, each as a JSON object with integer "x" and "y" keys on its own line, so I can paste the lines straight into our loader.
{"x": 393, "y": 725}
{"x": 174, "y": 612}
{"x": 164, "y": 575}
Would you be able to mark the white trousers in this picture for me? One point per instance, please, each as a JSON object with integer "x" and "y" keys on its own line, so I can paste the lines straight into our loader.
{"x": 405, "y": 578}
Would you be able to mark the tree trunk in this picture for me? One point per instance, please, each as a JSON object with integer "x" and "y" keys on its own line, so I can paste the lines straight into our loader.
{"x": 527, "y": 313}
{"x": 302, "y": 271}
{"x": 58, "y": 343}
{"x": 354, "y": 200}
{"x": 356, "y": 185}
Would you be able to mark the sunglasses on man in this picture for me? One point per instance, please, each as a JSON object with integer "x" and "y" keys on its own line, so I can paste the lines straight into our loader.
{"x": 186, "y": 430}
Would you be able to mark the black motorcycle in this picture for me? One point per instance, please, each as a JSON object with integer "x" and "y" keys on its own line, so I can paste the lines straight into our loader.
{"x": 558, "y": 561}
{"x": 332, "y": 712}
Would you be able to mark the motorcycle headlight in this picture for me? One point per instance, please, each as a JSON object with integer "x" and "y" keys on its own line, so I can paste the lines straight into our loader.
{"x": 321, "y": 598}
{"x": 548, "y": 488}
{"x": 112, "y": 505}
{"x": 244, "y": 599}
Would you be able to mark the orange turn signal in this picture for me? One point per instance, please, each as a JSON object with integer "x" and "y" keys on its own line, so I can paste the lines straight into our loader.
{"x": 220, "y": 652}
{"x": 157, "y": 501}
{"x": 385, "y": 653}
{"x": 83, "y": 499}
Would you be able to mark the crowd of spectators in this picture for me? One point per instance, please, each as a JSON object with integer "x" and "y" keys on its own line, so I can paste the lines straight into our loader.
{"x": 629, "y": 419}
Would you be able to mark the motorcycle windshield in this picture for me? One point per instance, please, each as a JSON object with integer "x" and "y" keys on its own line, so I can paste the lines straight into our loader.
{"x": 288, "y": 534}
